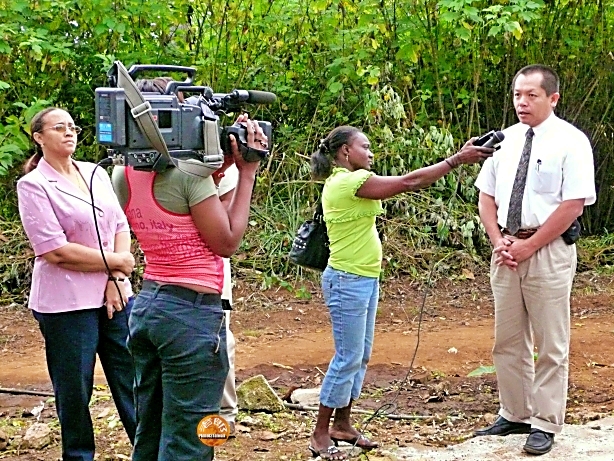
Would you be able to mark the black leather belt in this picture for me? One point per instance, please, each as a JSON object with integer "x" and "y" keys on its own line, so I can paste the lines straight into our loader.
{"x": 182, "y": 292}
{"x": 521, "y": 234}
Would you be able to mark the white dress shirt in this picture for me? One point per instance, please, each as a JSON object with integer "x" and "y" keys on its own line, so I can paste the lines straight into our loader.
{"x": 228, "y": 183}
{"x": 560, "y": 168}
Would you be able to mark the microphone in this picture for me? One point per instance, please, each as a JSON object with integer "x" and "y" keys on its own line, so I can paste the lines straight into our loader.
{"x": 248, "y": 96}
{"x": 490, "y": 139}
{"x": 261, "y": 97}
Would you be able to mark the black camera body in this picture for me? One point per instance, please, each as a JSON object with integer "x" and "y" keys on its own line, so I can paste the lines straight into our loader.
{"x": 239, "y": 132}
{"x": 190, "y": 128}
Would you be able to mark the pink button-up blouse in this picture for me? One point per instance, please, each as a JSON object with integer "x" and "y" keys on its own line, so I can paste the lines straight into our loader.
{"x": 55, "y": 212}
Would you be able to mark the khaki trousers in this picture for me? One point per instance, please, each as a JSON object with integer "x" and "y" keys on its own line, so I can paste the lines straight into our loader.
{"x": 532, "y": 311}
{"x": 229, "y": 409}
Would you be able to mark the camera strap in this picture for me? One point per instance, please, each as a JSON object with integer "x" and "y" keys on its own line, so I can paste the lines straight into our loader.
{"x": 141, "y": 112}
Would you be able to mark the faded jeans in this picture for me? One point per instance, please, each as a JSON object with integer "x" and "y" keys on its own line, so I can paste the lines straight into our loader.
{"x": 178, "y": 341}
{"x": 352, "y": 302}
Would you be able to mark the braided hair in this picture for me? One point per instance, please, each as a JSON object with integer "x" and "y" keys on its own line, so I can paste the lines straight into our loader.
{"x": 322, "y": 160}
{"x": 36, "y": 125}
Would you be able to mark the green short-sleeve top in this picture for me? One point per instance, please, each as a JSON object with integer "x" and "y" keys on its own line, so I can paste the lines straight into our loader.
{"x": 355, "y": 246}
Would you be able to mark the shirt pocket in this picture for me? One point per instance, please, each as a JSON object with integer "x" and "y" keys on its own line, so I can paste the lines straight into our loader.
{"x": 546, "y": 180}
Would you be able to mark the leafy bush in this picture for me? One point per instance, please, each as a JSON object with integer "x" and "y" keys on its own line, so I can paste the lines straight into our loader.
{"x": 418, "y": 77}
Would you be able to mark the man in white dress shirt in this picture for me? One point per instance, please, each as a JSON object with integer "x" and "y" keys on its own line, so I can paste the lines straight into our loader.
{"x": 531, "y": 192}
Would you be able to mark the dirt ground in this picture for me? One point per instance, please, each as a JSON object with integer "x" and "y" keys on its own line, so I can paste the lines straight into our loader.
{"x": 287, "y": 339}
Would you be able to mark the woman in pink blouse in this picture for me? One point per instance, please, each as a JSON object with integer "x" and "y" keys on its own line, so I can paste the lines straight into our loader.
{"x": 81, "y": 305}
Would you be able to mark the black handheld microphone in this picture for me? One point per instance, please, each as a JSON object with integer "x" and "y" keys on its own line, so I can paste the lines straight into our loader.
{"x": 490, "y": 139}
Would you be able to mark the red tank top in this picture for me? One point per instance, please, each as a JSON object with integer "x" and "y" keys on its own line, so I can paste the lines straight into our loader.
{"x": 173, "y": 247}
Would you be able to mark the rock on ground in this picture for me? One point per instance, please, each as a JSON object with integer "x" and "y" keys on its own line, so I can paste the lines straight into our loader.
{"x": 306, "y": 397}
{"x": 37, "y": 436}
{"x": 256, "y": 394}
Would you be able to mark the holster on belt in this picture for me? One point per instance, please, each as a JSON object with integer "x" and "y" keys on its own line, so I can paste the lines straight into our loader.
{"x": 570, "y": 236}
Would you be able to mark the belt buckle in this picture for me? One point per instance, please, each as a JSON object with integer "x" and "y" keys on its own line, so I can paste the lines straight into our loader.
{"x": 525, "y": 233}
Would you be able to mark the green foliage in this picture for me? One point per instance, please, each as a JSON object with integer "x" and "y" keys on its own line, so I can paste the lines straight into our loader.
{"x": 596, "y": 253}
{"x": 418, "y": 77}
{"x": 14, "y": 143}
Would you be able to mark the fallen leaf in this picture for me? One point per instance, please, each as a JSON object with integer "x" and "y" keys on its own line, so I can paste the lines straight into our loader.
{"x": 267, "y": 436}
{"x": 104, "y": 413}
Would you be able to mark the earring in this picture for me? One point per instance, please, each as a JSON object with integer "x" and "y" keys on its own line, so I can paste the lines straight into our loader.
{"x": 347, "y": 158}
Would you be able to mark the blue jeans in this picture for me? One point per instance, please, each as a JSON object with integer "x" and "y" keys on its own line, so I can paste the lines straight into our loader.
{"x": 178, "y": 341}
{"x": 72, "y": 340}
{"x": 352, "y": 302}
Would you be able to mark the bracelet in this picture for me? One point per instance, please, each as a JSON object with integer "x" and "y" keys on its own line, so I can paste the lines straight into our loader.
{"x": 449, "y": 163}
{"x": 116, "y": 279}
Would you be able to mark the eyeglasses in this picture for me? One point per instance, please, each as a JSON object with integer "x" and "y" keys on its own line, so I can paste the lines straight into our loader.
{"x": 62, "y": 127}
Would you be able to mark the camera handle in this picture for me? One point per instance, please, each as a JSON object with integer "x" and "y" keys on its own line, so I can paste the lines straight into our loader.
{"x": 114, "y": 71}
{"x": 176, "y": 87}
{"x": 135, "y": 69}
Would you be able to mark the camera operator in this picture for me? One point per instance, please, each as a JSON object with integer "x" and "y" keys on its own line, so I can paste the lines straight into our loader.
{"x": 177, "y": 330}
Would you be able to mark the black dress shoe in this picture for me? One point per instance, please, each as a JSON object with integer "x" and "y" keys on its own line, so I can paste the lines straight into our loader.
{"x": 504, "y": 427}
{"x": 539, "y": 442}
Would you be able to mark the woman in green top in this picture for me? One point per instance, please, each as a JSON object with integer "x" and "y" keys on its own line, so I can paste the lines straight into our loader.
{"x": 351, "y": 200}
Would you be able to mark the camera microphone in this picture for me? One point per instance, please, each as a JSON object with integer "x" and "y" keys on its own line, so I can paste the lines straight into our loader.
{"x": 261, "y": 97}
{"x": 490, "y": 139}
{"x": 248, "y": 96}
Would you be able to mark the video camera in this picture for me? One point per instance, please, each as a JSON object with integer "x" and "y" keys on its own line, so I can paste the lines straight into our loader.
{"x": 187, "y": 131}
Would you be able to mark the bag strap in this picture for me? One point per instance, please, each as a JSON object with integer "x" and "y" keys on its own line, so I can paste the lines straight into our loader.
{"x": 141, "y": 110}
{"x": 318, "y": 215}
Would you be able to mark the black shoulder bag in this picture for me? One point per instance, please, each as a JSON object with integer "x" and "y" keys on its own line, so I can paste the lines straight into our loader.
{"x": 310, "y": 246}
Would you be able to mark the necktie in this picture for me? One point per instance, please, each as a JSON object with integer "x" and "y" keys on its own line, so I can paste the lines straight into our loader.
{"x": 514, "y": 211}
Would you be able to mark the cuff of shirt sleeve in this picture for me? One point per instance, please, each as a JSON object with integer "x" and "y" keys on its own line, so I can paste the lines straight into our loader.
{"x": 49, "y": 245}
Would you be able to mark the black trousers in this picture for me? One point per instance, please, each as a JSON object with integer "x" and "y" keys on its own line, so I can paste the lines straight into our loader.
{"x": 72, "y": 340}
